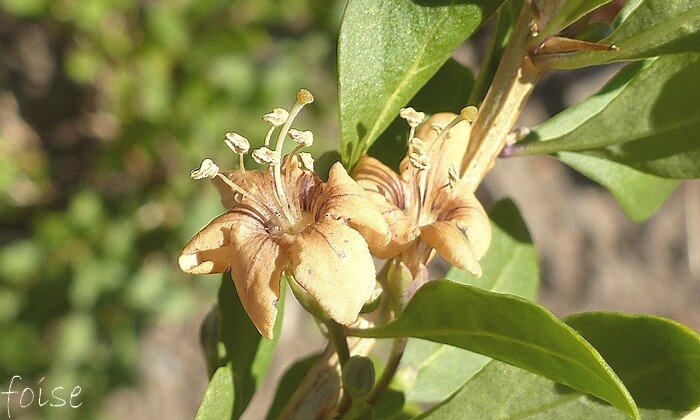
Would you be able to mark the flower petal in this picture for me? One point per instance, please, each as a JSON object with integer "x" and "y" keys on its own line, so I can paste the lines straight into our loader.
{"x": 373, "y": 175}
{"x": 384, "y": 188}
{"x": 332, "y": 262}
{"x": 342, "y": 198}
{"x": 452, "y": 245}
{"x": 238, "y": 241}
{"x": 256, "y": 268}
{"x": 208, "y": 251}
{"x": 464, "y": 211}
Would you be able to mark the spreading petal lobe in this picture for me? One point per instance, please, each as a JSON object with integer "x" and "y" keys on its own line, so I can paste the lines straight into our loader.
{"x": 332, "y": 262}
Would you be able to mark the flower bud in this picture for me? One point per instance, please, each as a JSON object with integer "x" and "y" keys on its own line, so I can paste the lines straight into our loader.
{"x": 358, "y": 376}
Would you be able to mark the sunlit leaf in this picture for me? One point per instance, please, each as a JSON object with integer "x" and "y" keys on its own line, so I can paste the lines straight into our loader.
{"x": 510, "y": 266}
{"x": 657, "y": 359}
{"x": 507, "y": 328}
{"x": 647, "y": 28}
{"x": 386, "y": 52}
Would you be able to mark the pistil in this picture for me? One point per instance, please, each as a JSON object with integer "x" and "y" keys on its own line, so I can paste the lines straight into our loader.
{"x": 303, "y": 97}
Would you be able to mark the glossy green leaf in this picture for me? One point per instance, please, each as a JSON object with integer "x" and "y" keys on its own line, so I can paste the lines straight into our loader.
{"x": 386, "y": 51}
{"x": 657, "y": 359}
{"x": 290, "y": 381}
{"x": 646, "y": 118}
{"x": 647, "y": 28}
{"x": 569, "y": 12}
{"x": 507, "y": 328}
{"x": 640, "y": 194}
{"x": 510, "y": 266}
{"x": 247, "y": 352}
{"x": 447, "y": 90}
{"x": 219, "y": 396}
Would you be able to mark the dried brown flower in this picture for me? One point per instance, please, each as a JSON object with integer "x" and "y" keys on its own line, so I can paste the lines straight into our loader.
{"x": 286, "y": 220}
{"x": 425, "y": 205}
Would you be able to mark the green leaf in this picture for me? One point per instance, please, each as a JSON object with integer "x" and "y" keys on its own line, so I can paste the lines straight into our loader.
{"x": 569, "y": 12}
{"x": 386, "y": 51}
{"x": 644, "y": 118}
{"x": 510, "y": 266}
{"x": 219, "y": 396}
{"x": 507, "y": 328}
{"x": 290, "y": 381}
{"x": 647, "y": 28}
{"x": 447, "y": 91}
{"x": 248, "y": 354}
{"x": 655, "y": 358}
{"x": 640, "y": 194}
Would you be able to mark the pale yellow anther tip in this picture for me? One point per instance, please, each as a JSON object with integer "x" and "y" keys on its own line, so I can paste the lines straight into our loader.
{"x": 469, "y": 113}
{"x": 304, "y": 97}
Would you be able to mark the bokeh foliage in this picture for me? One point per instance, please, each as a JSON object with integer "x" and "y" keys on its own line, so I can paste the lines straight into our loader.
{"x": 96, "y": 142}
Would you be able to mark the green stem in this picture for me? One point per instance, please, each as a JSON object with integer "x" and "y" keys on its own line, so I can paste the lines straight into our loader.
{"x": 397, "y": 349}
{"x": 336, "y": 334}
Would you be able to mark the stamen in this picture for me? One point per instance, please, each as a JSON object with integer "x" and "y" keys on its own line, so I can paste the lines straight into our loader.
{"x": 265, "y": 156}
{"x": 237, "y": 143}
{"x": 413, "y": 117}
{"x": 277, "y": 117}
{"x": 240, "y": 145}
{"x": 207, "y": 169}
{"x": 302, "y": 138}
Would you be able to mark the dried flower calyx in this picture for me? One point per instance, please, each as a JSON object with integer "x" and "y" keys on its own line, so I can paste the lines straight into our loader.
{"x": 285, "y": 219}
{"x": 426, "y": 205}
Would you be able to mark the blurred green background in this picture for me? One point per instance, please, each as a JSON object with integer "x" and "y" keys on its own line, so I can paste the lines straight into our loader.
{"x": 105, "y": 106}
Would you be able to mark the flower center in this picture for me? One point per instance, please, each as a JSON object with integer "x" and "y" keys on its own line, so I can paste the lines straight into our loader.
{"x": 282, "y": 216}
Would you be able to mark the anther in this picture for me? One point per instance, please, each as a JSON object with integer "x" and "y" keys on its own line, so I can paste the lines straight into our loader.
{"x": 413, "y": 117}
{"x": 207, "y": 169}
{"x": 277, "y": 117}
{"x": 307, "y": 162}
{"x": 419, "y": 161}
{"x": 265, "y": 156}
{"x": 237, "y": 143}
{"x": 302, "y": 138}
